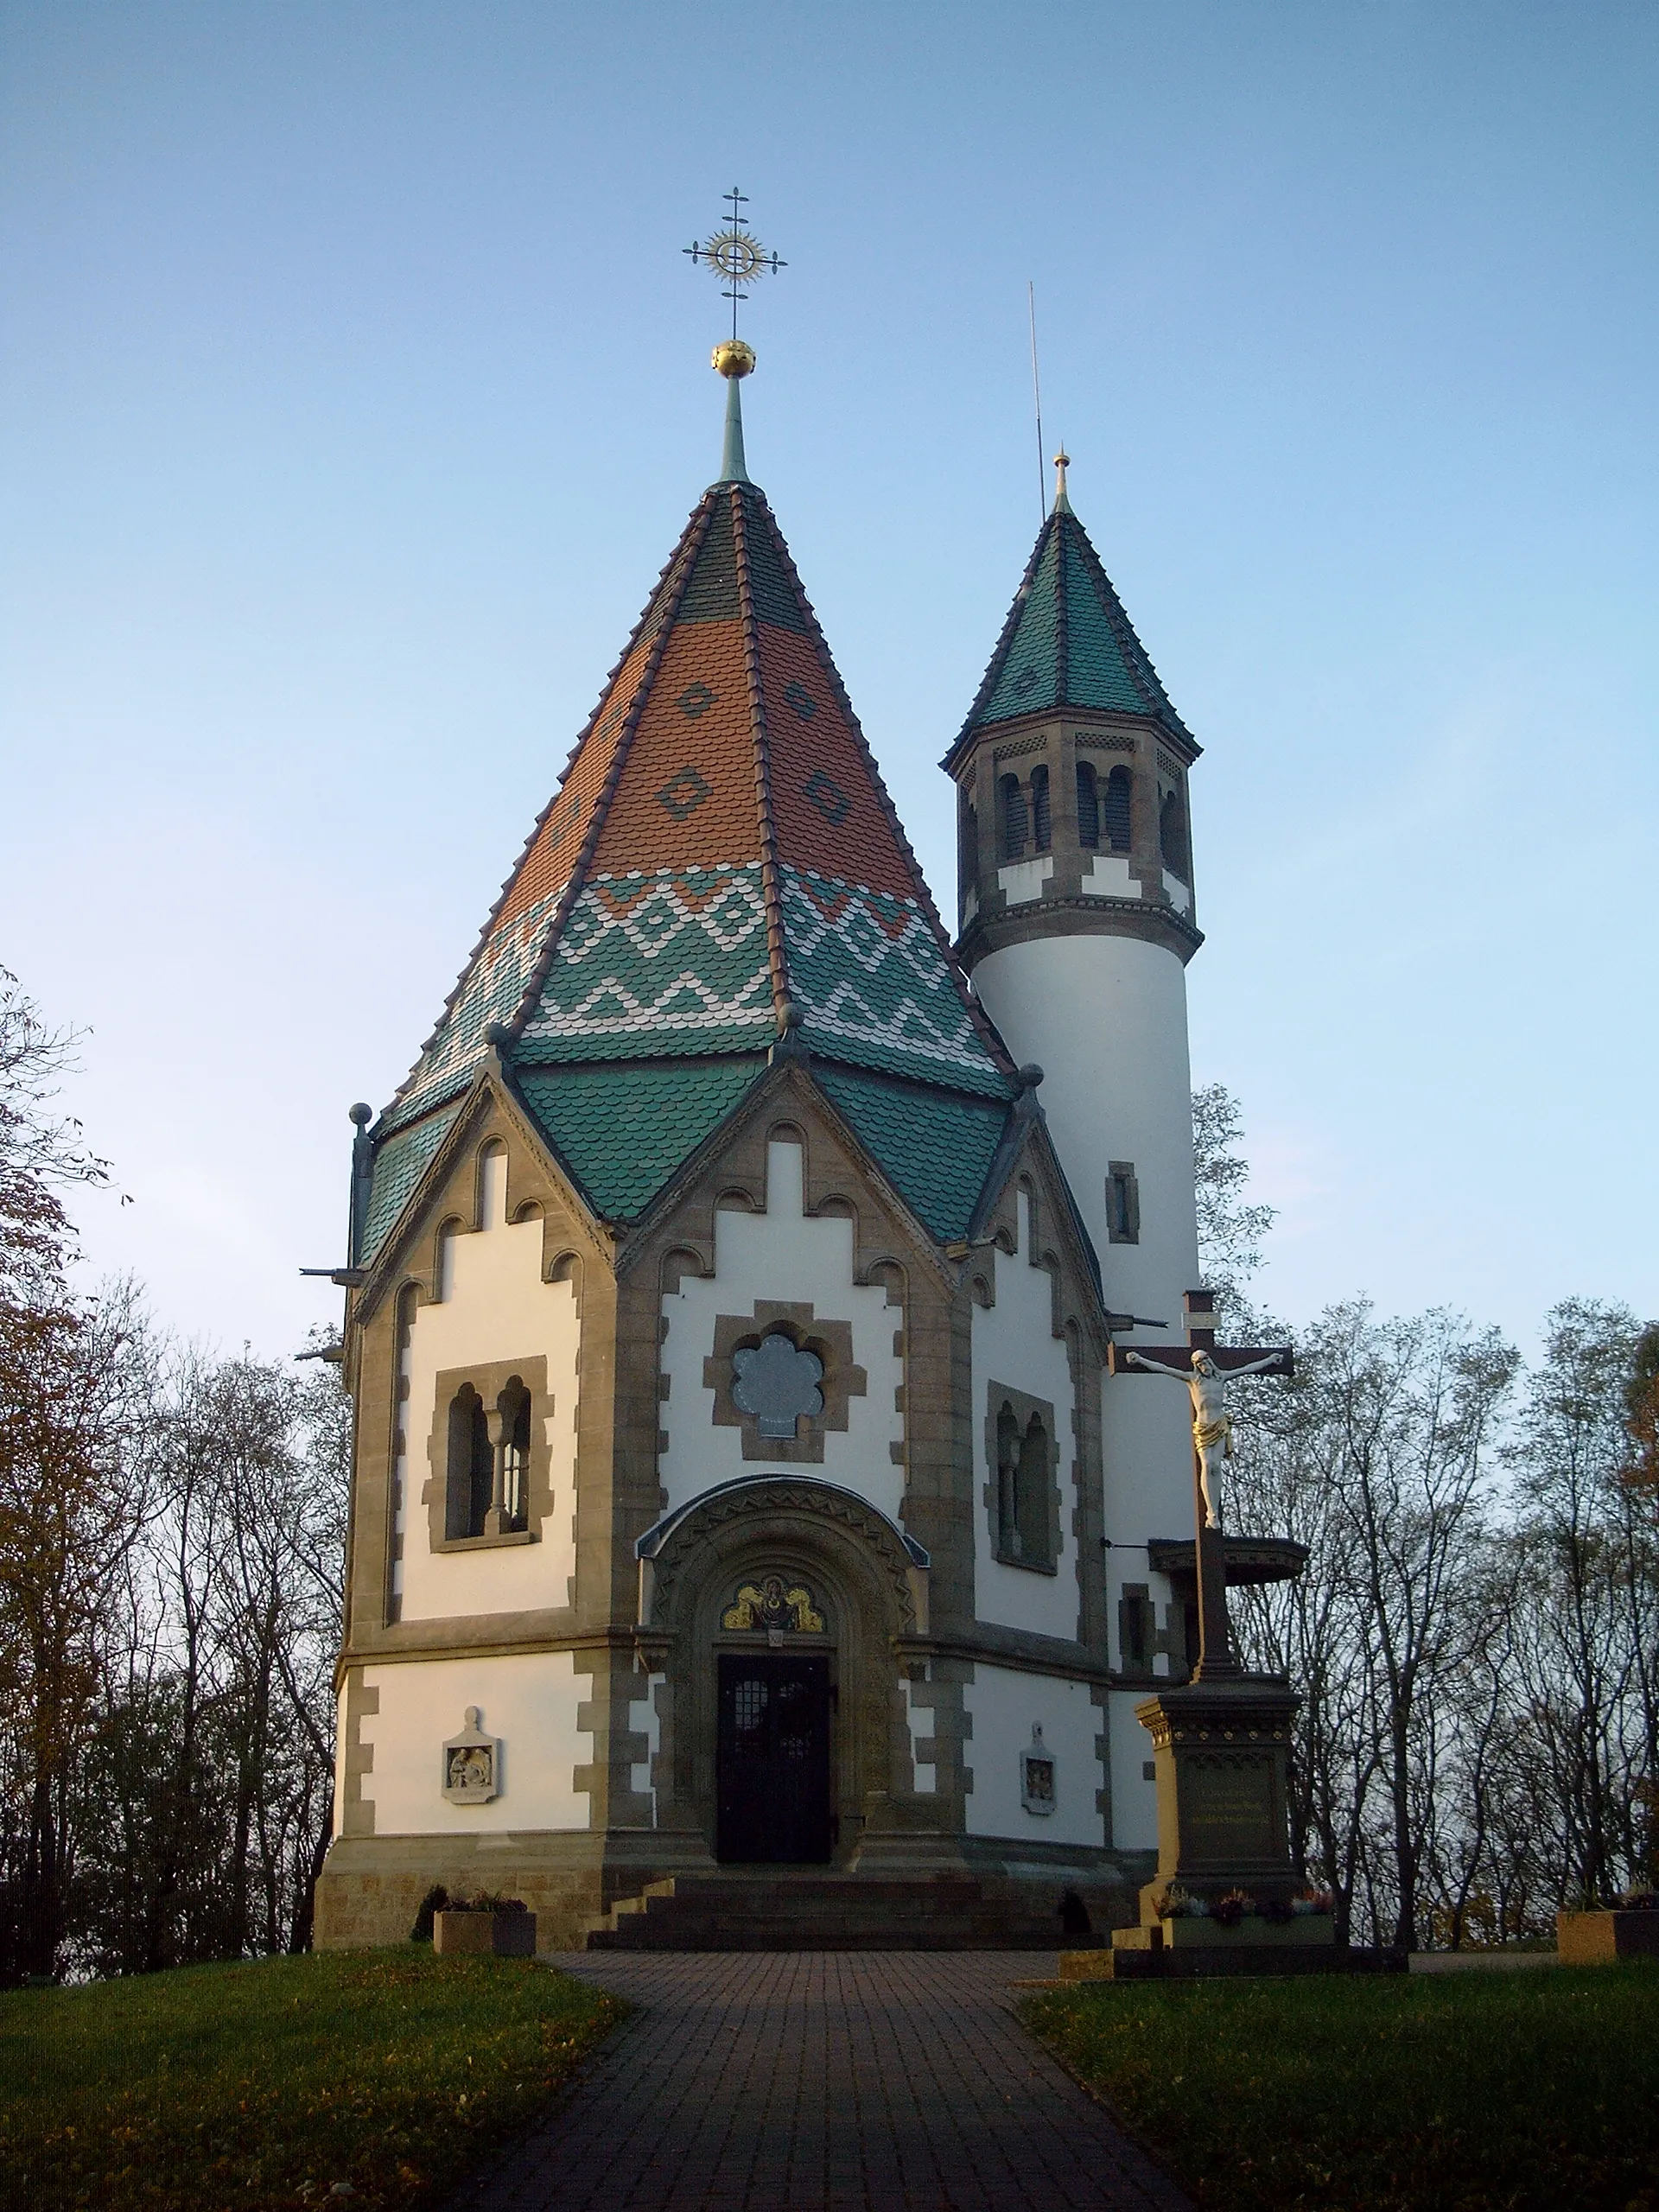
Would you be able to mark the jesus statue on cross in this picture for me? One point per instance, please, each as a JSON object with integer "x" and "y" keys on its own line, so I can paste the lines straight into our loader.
{"x": 1212, "y": 1426}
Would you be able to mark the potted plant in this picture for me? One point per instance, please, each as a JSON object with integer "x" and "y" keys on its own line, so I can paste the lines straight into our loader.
{"x": 1597, "y": 1935}
{"x": 500, "y": 1927}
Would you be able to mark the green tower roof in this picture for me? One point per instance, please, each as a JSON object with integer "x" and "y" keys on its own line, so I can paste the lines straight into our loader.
{"x": 1067, "y": 641}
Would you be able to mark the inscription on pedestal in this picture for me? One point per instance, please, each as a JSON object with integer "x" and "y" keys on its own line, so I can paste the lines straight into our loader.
{"x": 1227, "y": 1808}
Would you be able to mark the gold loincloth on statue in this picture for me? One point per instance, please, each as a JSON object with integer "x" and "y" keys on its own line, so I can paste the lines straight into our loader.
{"x": 1206, "y": 1433}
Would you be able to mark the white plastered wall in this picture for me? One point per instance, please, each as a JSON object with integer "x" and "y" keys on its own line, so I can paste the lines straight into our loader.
{"x": 1003, "y": 1705}
{"x": 923, "y": 1726}
{"x": 1014, "y": 1344}
{"x": 1105, "y": 1016}
{"x": 1135, "y": 1795}
{"x": 644, "y": 1720}
{"x": 528, "y": 1700}
{"x": 495, "y": 1306}
{"x": 784, "y": 1256}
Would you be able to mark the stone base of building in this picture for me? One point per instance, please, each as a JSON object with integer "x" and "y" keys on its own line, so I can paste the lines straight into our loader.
{"x": 662, "y": 1891}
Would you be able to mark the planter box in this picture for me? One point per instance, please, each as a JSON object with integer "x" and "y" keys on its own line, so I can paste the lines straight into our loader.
{"x": 1596, "y": 1939}
{"x": 497, "y": 1934}
{"x": 1204, "y": 1962}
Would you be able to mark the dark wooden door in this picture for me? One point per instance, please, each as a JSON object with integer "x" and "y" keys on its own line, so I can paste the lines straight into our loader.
{"x": 773, "y": 1778}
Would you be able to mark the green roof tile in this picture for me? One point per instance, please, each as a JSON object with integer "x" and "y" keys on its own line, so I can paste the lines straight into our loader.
{"x": 624, "y": 1126}
{"x": 400, "y": 1160}
{"x": 1067, "y": 641}
{"x": 1098, "y": 669}
{"x": 934, "y": 1147}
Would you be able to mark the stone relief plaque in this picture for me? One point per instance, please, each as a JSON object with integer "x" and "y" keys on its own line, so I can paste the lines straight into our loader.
{"x": 472, "y": 1763}
{"x": 1037, "y": 1786}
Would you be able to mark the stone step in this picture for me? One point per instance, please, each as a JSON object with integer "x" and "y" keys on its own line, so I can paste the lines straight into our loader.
{"x": 804, "y": 1911}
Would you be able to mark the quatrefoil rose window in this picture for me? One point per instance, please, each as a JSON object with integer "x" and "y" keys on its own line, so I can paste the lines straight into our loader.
{"x": 776, "y": 1382}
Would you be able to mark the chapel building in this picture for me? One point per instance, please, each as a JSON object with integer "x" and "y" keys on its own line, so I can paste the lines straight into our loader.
{"x": 747, "y": 1533}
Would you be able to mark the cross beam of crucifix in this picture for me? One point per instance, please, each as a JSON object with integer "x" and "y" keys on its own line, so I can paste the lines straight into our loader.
{"x": 1204, "y": 1366}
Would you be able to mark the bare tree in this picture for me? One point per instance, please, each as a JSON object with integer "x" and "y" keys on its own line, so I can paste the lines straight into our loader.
{"x": 216, "y": 1755}
{"x": 1587, "y": 1659}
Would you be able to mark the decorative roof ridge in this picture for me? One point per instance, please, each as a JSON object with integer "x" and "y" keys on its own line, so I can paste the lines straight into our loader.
{"x": 826, "y": 1057}
{"x": 577, "y": 879}
{"x": 1027, "y": 1124}
{"x": 988, "y": 683}
{"x": 1062, "y": 608}
{"x": 1123, "y": 630}
{"x": 684, "y": 550}
{"x": 490, "y": 1074}
{"x": 985, "y": 1028}
{"x": 771, "y": 897}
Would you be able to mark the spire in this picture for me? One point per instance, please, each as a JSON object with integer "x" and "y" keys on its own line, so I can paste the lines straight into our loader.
{"x": 735, "y": 361}
{"x": 1067, "y": 642}
{"x": 720, "y": 851}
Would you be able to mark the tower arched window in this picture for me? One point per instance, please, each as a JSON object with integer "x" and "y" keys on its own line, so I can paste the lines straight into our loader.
{"x": 1042, "y": 822}
{"x": 1015, "y": 825}
{"x": 1172, "y": 836}
{"x": 470, "y": 1469}
{"x": 1119, "y": 795}
{"x": 1088, "y": 807}
{"x": 968, "y": 849}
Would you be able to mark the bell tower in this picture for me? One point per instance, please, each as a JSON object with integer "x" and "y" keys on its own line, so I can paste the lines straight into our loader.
{"x": 1076, "y": 920}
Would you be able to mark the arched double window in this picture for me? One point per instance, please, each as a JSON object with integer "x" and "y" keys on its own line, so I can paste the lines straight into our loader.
{"x": 1118, "y": 808}
{"x": 1088, "y": 807}
{"x": 1016, "y": 827}
{"x": 1024, "y": 1484}
{"x": 487, "y": 1490}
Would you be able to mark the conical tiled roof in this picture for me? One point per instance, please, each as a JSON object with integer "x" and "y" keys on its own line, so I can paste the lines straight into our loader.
{"x": 721, "y": 850}
{"x": 1067, "y": 641}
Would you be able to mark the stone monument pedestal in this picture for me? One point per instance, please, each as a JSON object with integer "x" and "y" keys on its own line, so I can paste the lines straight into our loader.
{"x": 1226, "y": 1899}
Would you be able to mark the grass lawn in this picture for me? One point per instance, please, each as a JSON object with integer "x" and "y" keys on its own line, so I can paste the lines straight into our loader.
{"x": 1527, "y": 2092}
{"x": 261, "y": 2085}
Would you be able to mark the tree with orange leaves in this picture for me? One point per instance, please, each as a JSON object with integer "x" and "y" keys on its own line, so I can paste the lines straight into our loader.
{"x": 68, "y": 1512}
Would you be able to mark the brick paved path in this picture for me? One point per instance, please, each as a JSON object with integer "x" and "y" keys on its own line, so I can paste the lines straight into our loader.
{"x": 821, "y": 2081}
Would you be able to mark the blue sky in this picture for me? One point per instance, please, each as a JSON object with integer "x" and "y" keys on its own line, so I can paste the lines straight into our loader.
{"x": 354, "y": 389}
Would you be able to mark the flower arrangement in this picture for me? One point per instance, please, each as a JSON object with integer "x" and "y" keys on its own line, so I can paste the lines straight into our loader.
{"x": 1231, "y": 1906}
{"x": 1176, "y": 1903}
{"x": 1278, "y": 1911}
{"x": 1312, "y": 1901}
{"x": 1641, "y": 1897}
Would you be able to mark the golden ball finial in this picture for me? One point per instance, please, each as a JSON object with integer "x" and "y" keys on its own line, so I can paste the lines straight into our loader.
{"x": 732, "y": 357}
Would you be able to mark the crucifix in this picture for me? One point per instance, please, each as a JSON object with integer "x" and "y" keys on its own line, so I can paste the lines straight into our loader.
{"x": 1204, "y": 1366}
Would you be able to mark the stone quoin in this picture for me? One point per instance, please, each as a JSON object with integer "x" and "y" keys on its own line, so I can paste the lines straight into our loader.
{"x": 742, "y": 1489}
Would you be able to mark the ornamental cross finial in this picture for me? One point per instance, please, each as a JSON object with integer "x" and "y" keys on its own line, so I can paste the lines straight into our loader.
{"x": 735, "y": 255}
